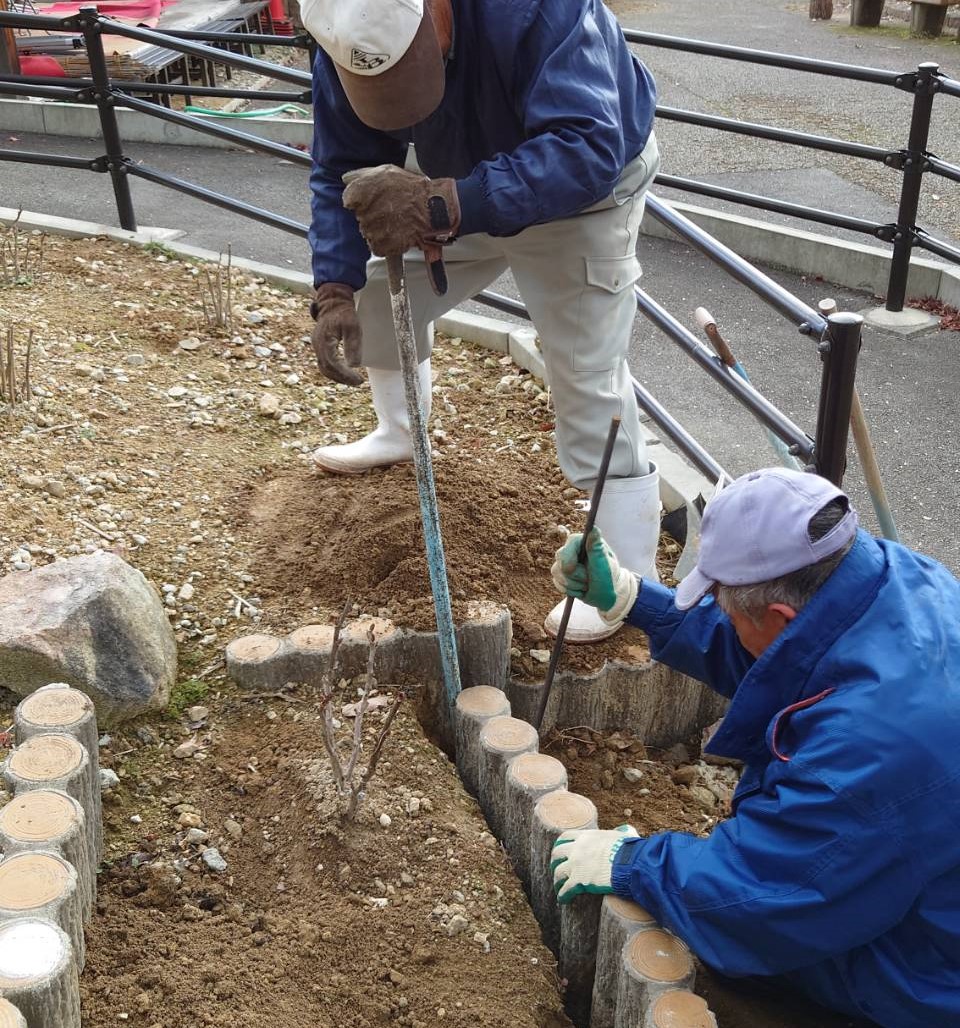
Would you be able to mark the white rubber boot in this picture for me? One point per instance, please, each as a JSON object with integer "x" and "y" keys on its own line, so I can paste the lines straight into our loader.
{"x": 629, "y": 520}
{"x": 389, "y": 443}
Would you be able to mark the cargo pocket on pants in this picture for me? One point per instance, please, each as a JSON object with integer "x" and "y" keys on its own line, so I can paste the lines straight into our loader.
{"x": 607, "y": 310}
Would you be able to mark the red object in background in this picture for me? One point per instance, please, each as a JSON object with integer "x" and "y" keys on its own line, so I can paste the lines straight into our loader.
{"x": 282, "y": 23}
{"x": 40, "y": 65}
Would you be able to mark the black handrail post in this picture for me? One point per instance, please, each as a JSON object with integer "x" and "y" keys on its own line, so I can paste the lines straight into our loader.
{"x": 89, "y": 21}
{"x": 839, "y": 351}
{"x": 924, "y": 89}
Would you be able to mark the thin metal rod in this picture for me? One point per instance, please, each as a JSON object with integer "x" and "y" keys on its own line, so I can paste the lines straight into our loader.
{"x": 218, "y": 199}
{"x": 840, "y": 351}
{"x": 581, "y": 559}
{"x": 767, "y": 203}
{"x": 257, "y": 38}
{"x": 938, "y": 167}
{"x": 199, "y": 123}
{"x": 757, "y": 404}
{"x": 937, "y": 246}
{"x": 50, "y": 160}
{"x": 793, "y": 309}
{"x": 89, "y": 23}
{"x": 949, "y": 87}
{"x": 426, "y": 487}
{"x": 32, "y": 21}
{"x": 15, "y": 86}
{"x": 777, "y": 135}
{"x": 70, "y": 87}
{"x": 792, "y": 62}
{"x": 911, "y": 185}
{"x": 210, "y": 53}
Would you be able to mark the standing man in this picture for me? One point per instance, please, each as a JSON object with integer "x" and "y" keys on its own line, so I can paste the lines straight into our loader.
{"x": 839, "y": 872}
{"x": 534, "y": 125}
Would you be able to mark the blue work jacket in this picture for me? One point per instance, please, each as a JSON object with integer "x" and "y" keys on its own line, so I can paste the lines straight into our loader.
{"x": 841, "y": 865}
{"x": 544, "y": 108}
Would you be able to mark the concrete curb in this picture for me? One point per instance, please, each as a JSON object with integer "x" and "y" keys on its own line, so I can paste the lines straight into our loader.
{"x": 844, "y": 263}
{"x": 48, "y": 714}
{"x": 57, "y": 118}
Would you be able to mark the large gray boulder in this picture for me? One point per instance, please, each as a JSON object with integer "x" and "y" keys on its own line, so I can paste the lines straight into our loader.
{"x": 93, "y": 622}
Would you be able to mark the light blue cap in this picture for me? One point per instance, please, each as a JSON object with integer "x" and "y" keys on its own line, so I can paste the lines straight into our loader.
{"x": 757, "y": 529}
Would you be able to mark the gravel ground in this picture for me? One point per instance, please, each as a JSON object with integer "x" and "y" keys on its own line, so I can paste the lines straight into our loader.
{"x": 851, "y": 110}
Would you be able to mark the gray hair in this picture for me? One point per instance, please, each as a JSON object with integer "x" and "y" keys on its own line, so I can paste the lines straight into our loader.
{"x": 795, "y": 589}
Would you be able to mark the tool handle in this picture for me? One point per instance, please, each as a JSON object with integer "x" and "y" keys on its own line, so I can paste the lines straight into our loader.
{"x": 581, "y": 558}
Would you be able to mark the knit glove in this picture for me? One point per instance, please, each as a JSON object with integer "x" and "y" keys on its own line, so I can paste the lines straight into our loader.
{"x": 336, "y": 322}
{"x": 398, "y": 210}
{"x": 601, "y": 582}
{"x": 582, "y": 861}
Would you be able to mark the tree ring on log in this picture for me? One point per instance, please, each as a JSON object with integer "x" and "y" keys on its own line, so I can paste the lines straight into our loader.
{"x": 564, "y": 811}
{"x": 39, "y": 815}
{"x": 46, "y": 757}
{"x": 659, "y": 957}
{"x": 56, "y": 706}
{"x": 32, "y": 880}
{"x": 680, "y": 1009}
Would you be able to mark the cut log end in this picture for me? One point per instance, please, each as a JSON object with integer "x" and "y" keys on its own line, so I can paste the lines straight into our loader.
{"x": 40, "y": 816}
{"x": 560, "y": 811}
{"x": 253, "y": 649}
{"x": 46, "y": 758}
{"x": 56, "y": 706}
{"x": 38, "y": 974}
{"x": 483, "y": 701}
{"x": 312, "y": 639}
{"x": 29, "y": 881}
{"x": 508, "y": 735}
{"x": 10, "y": 1017}
{"x": 629, "y": 910}
{"x": 538, "y": 771}
{"x": 680, "y": 1009}
{"x": 658, "y": 957}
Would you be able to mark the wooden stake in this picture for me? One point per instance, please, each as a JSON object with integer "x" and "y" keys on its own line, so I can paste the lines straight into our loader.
{"x": 577, "y": 959}
{"x": 619, "y": 920}
{"x": 57, "y": 709}
{"x": 10, "y": 1017}
{"x": 57, "y": 762}
{"x": 529, "y": 776}
{"x": 554, "y": 813}
{"x": 50, "y": 820}
{"x": 501, "y": 739}
{"x": 38, "y": 973}
{"x": 474, "y": 708}
{"x": 45, "y": 886}
{"x": 677, "y": 1009}
{"x": 652, "y": 962}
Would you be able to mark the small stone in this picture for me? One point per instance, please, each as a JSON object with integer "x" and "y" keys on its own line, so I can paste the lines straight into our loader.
{"x": 55, "y": 488}
{"x": 269, "y": 405}
{"x": 198, "y": 713}
{"x": 483, "y": 938}
{"x": 685, "y": 775}
{"x": 232, "y": 828}
{"x": 385, "y": 820}
{"x": 632, "y": 774}
{"x": 541, "y": 656}
{"x": 195, "y": 836}
{"x": 175, "y": 392}
{"x": 187, "y": 749}
{"x": 34, "y": 482}
{"x": 255, "y": 317}
{"x": 606, "y": 779}
{"x": 108, "y": 779}
{"x": 188, "y": 819}
{"x": 413, "y": 806}
{"x": 135, "y": 360}
{"x": 214, "y": 860}
{"x": 457, "y": 924}
{"x": 136, "y": 819}
{"x": 186, "y": 592}
{"x": 190, "y": 343}
{"x": 704, "y": 798}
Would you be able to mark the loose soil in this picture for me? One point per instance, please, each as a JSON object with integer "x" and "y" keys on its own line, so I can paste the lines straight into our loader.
{"x": 185, "y": 449}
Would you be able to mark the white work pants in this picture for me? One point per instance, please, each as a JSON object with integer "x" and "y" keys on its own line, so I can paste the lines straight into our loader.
{"x": 576, "y": 277}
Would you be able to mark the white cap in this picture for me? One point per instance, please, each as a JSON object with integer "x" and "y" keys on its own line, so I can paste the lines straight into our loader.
{"x": 387, "y": 56}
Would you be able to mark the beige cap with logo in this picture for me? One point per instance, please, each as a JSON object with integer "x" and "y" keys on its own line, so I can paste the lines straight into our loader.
{"x": 387, "y": 55}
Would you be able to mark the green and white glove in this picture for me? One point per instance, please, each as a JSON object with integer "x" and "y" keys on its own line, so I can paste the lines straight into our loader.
{"x": 582, "y": 861}
{"x": 601, "y": 583}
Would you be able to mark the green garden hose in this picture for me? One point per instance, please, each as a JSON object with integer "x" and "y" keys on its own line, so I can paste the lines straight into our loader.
{"x": 266, "y": 112}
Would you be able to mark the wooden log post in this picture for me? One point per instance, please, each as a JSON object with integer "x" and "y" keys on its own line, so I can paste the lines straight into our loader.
{"x": 821, "y": 10}
{"x": 45, "y": 886}
{"x": 577, "y": 959}
{"x": 927, "y": 18}
{"x": 60, "y": 709}
{"x": 501, "y": 739}
{"x": 529, "y": 776}
{"x": 475, "y": 707}
{"x": 866, "y": 13}
{"x": 57, "y": 762}
{"x": 50, "y": 820}
{"x": 38, "y": 973}
{"x": 554, "y": 813}
{"x": 679, "y": 1009}
{"x": 259, "y": 662}
{"x": 653, "y": 961}
{"x": 619, "y": 920}
{"x": 10, "y": 1017}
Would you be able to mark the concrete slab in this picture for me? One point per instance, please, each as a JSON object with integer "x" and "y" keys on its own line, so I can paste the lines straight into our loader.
{"x": 75, "y": 229}
{"x": 908, "y": 322}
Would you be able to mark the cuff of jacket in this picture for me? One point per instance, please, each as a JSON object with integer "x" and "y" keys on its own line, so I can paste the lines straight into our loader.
{"x": 473, "y": 205}
{"x": 622, "y": 873}
{"x": 653, "y": 601}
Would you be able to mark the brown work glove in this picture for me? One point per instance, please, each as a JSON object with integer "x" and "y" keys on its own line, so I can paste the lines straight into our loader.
{"x": 398, "y": 210}
{"x": 335, "y": 315}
